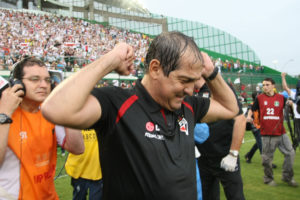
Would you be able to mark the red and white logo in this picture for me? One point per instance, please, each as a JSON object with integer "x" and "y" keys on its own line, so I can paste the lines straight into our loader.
{"x": 183, "y": 124}
{"x": 149, "y": 126}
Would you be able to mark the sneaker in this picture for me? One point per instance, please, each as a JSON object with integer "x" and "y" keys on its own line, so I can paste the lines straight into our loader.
{"x": 63, "y": 154}
{"x": 272, "y": 183}
{"x": 291, "y": 183}
{"x": 247, "y": 159}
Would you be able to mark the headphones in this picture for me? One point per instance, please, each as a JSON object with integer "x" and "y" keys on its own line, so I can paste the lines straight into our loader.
{"x": 17, "y": 68}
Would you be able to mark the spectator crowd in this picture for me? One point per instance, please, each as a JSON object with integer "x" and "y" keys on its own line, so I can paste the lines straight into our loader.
{"x": 68, "y": 43}
{"x": 61, "y": 42}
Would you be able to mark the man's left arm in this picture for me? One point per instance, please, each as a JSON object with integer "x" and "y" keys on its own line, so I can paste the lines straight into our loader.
{"x": 74, "y": 141}
{"x": 229, "y": 162}
{"x": 239, "y": 128}
{"x": 70, "y": 139}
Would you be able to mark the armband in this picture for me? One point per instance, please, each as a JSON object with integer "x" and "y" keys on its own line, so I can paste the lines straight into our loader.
{"x": 213, "y": 75}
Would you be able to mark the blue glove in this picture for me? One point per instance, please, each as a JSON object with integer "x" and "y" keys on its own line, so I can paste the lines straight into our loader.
{"x": 201, "y": 132}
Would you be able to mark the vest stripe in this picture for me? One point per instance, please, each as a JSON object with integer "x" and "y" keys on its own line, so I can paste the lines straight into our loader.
{"x": 164, "y": 115}
{"x": 125, "y": 106}
{"x": 188, "y": 106}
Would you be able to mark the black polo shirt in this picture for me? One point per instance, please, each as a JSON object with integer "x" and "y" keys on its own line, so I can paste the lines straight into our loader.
{"x": 147, "y": 152}
{"x": 218, "y": 143}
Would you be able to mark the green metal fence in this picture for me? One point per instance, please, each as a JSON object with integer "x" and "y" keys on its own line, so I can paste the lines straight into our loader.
{"x": 219, "y": 43}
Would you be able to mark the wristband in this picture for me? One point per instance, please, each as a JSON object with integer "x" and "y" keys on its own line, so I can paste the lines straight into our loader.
{"x": 213, "y": 75}
{"x": 234, "y": 153}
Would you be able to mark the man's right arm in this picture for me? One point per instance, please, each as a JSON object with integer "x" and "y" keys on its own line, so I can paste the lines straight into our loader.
{"x": 70, "y": 104}
{"x": 9, "y": 102}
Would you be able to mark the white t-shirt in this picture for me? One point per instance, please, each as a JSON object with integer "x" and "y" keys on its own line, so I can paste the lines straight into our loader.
{"x": 293, "y": 96}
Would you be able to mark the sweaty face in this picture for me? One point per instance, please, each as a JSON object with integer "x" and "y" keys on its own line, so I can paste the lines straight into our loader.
{"x": 180, "y": 82}
{"x": 268, "y": 87}
{"x": 37, "y": 83}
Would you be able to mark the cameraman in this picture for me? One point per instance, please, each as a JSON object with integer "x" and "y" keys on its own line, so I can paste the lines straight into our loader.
{"x": 293, "y": 96}
{"x": 27, "y": 139}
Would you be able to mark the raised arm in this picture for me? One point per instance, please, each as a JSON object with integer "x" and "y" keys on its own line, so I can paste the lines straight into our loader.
{"x": 223, "y": 102}
{"x": 284, "y": 84}
{"x": 71, "y": 104}
{"x": 10, "y": 100}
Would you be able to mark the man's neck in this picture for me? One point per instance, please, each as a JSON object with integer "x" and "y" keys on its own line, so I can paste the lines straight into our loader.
{"x": 151, "y": 88}
{"x": 30, "y": 106}
{"x": 270, "y": 94}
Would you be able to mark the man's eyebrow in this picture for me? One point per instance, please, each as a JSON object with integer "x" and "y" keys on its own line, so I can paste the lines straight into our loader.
{"x": 188, "y": 78}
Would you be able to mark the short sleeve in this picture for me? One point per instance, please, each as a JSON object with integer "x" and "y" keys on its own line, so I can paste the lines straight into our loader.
{"x": 60, "y": 135}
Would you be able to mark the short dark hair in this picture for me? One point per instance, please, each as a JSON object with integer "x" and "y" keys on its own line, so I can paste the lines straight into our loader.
{"x": 18, "y": 70}
{"x": 270, "y": 80}
{"x": 254, "y": 94}
{"x": 168, "y": 48}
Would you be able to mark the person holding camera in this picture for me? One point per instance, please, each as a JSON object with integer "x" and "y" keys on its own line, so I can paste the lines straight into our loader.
{"x": 293, "y": 96}
{"x": 28, "y": 141}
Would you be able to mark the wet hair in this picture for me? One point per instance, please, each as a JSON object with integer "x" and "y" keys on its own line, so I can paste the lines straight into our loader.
{"x": 18, "y": 70}
{"x": 168, "y": 48}
{"x": 270, "y": 80}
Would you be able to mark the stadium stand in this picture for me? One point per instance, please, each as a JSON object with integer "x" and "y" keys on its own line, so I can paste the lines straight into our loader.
{"x": 69, "y": 43}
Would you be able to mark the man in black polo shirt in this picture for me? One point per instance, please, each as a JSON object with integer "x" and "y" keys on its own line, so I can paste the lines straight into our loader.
{"x": 147, "y": 132}
{"x": 219, "y": 160}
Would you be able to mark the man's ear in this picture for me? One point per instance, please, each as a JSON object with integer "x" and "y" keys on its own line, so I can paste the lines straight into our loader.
{"x": 155, "y": 69}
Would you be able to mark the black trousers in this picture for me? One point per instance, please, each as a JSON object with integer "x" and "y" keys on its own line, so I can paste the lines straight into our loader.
{"x": 297, "y": 128}
{"x": 211, "y": 174}
{"x": 257, "y": 145}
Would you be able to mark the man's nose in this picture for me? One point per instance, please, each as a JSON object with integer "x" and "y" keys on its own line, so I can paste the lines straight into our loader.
{"x": 189, "y": 89}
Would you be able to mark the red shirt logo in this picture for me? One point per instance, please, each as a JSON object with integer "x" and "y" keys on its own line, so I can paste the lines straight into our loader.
{"x": 149, "y": 126}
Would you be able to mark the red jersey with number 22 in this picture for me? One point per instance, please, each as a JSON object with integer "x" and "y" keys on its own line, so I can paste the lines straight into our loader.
{"x": 271, "y": 114}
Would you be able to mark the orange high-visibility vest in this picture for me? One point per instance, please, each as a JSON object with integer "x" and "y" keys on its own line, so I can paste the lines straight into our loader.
{"x": 32, "y": 139}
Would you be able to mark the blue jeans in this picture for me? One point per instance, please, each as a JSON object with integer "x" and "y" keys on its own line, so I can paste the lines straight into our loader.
{"x": 81, "y": 187}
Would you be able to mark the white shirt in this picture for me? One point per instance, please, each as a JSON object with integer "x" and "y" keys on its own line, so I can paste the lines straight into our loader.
{"x": 293, "y": 96}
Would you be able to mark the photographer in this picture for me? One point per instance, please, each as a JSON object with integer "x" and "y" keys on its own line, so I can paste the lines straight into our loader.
{"x": 27, "y": 139}
{"x": 295, "y": 97}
